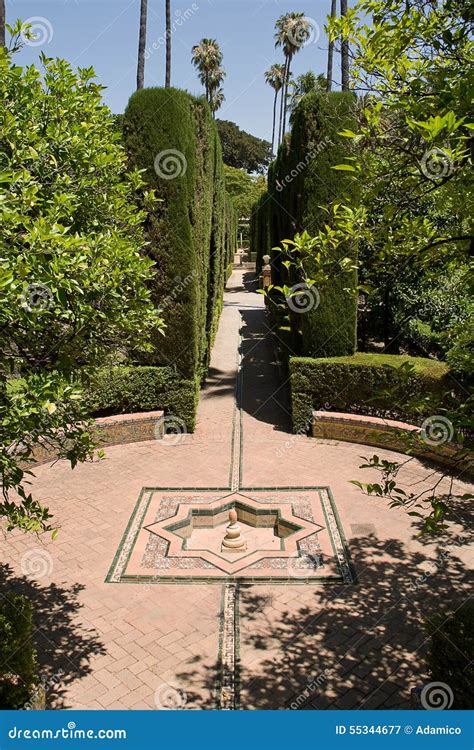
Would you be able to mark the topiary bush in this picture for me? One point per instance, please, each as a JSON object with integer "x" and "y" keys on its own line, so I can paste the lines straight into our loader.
{"x": 369, "y": 384}
{"x": 18, "y": 668}
{"x": 173, "y": 138}
{"x": 124, "y": 390}
{"x": 301, "y": 185}
{"x": 451, "y": 650}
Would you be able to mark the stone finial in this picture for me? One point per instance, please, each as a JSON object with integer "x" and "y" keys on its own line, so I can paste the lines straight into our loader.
{"x": 233, "y": 540}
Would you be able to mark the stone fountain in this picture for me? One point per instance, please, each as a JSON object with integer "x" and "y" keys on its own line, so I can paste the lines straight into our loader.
{"x": 233, "y": 540}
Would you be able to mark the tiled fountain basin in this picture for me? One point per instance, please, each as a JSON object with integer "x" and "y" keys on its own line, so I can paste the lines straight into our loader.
{"x": 176, "y": 535}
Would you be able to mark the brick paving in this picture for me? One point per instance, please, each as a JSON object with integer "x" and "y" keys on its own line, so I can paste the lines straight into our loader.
{"x": 104, "y": 645}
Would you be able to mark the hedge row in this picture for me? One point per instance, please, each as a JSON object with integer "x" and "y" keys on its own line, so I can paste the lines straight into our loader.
{"x": 301, "y": 183}
{"x": 369, "y": 384}
{"x": 18, "y": 667}
{"x": 124, "y": 390}
{"x": 192, "y": 231}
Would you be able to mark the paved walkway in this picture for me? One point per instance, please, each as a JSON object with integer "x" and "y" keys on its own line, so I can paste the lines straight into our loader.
{"x": 119, "y": 645}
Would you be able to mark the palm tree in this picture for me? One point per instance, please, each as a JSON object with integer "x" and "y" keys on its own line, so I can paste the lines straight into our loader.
{"x": 292, "y": 31}
{"x": 331, "y": 49}
{"x": 306, "y": 83}
{"x": 168, "y": 44}
{"x": 275, "y": 77}
{"x": 141, "y": 45}
{"x": 344, "y": 54}
{"x": 216, "y": 101}
{"x": 207, "y": 58}
{"x": 2, "y": 23}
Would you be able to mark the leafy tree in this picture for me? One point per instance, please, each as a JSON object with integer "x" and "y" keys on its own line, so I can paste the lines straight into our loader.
{"x": 72, "y": 274}
{"x": 242, "y": 150}
{"x": 244, "y": 189}
{"x": 412, "y": 149}
{"x": 142, "y": 44}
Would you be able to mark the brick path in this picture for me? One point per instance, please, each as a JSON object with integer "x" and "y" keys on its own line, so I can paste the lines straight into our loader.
{"x": 301, "y": 646}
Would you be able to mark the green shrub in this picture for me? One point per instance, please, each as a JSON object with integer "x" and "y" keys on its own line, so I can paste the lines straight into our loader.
{"x": 421, "y": 337}
{"x": 173, "y": 138}
{"x": 367, "y": 384}
{"x": 451, "y": 650}
{"x": 18, "y": 669}
{"x": 301, "y": 185}
{"x": 124, "y": 390}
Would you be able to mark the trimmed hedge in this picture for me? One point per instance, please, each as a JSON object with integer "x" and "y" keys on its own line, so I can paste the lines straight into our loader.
{"x": 18, "y": 670}
{"x": 301, "y": 182}
{"x": 363, "y": 384}
{"x": 124, "y": 390}
{"x": 450, "y": 655}
{"x": 168, "y": 132}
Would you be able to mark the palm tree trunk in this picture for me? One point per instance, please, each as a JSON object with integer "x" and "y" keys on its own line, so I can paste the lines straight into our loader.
{"x": 331, "y": 50}
{"x": 168, "y": 44}
{"x": 141, "y": 45}
{"x": 287, "y": 81}
{"x": 282, "y": 104}
{"x": 344, "y": 54}
{"x": 274, "y": 119}
{"x": 2, "y": 23}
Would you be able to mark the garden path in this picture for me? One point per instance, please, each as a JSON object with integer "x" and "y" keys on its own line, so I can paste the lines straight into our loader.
{"x": 197, "y": 645}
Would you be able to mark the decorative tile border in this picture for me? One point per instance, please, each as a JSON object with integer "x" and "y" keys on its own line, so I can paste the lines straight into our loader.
{"x": 270, "y": 568}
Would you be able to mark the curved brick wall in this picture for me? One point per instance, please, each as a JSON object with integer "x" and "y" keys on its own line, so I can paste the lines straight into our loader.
{"x": 116, "y": 430}
{"x": 386, "y": 433}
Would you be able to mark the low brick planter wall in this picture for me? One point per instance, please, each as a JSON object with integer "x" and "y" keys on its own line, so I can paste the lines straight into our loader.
{"x": 115, "y": 430}
{"x": 386, "y": 433}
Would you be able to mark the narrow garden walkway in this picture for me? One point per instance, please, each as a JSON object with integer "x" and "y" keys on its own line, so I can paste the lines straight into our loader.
{"x": 194, "y": 645}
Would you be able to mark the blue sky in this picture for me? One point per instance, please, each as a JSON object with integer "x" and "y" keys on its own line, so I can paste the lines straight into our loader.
{"x": 104, "y": 34}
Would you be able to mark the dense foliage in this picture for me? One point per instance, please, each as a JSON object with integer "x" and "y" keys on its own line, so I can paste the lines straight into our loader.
{"x": 192, "y": 231}
{"x": 244, "y": 189}
{"x": 242, "y": 150}
{"x": 301, "y": 184}
{"x": 72, "y": 275}
{"x": 126, "y": 389}
{"x": 382, "y": 385}
{"x": 450, "y": 654}
{"x": 18, "y": 670}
